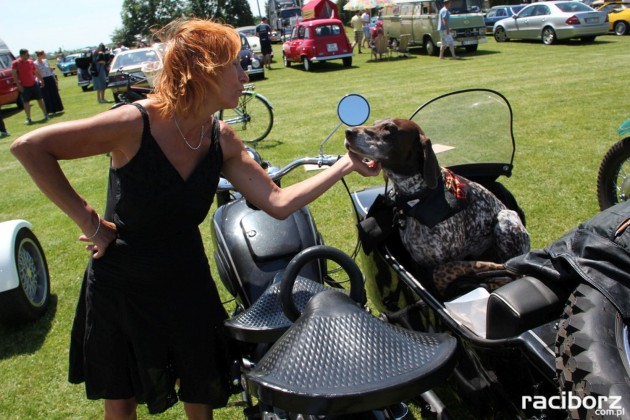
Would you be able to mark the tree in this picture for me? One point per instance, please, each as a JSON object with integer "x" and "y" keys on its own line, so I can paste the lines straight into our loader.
{"x": 139, "y": 17}
{"x": 233, "y": 12}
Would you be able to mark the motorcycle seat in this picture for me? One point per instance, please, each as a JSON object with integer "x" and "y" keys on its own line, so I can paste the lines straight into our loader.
{"x": 519, "y": 306}
{"x": 264, "y": 321}
{"x": 339, "y": 359}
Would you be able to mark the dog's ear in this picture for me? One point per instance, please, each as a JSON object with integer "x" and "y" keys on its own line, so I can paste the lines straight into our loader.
{"x": 431, "y": 169}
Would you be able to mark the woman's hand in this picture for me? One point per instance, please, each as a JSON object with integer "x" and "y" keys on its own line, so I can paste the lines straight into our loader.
{"x": 365, "y": 168}
{"x": 104, "y": 234}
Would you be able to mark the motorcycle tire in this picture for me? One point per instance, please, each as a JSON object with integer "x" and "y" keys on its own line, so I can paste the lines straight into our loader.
{"x": 30, "y": 299}
{"x": 592, "y": 357}
{"x": 613, "y": 178}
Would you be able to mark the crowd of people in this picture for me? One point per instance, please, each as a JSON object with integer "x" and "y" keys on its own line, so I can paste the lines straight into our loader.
{"x": 37, "y": 81}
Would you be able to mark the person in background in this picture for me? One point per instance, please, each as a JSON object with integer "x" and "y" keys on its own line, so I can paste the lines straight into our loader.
{"x": 26, "y": 74}
{"x": 3, "y": 128}
{"x": 446, "y": 37}
{"x": 263, "y": 32}
{"x": 357, "y": 27}
{"x": 100, "y": 59}
{"x": 149, "y": 321}
{"x": 50, "y": 88}
{"x": 365, "y": 20}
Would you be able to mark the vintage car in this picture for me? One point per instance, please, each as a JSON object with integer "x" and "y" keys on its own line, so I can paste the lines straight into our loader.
{"x": 24, "y": 275}
{"x": 130, "y": 65}
{"x": 317, "y": 40}
{"x": 251, "y": 62}
{"x": 8, "y": 89}
{"x": 67, "y": 64}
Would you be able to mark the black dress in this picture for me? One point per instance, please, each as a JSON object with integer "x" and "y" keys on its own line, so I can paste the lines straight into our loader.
{"x": 149, "y": 311}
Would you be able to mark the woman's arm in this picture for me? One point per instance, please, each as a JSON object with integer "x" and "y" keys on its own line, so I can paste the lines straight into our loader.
{"x": 116, "y": 132}
{"x": 254, "y": 183}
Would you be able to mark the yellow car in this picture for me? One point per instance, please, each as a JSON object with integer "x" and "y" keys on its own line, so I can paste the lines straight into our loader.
{"x": 618, "y": 15}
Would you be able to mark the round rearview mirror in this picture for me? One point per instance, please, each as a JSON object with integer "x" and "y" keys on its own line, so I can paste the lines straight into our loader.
{"x": 353, "y": 110}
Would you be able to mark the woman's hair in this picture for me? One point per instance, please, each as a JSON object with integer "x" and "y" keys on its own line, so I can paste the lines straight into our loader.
{"x": 196, "y": 51}
{"x": 39, "y": 52}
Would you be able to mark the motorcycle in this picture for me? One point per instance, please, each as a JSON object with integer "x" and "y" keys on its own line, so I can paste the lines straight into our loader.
{"x": 613, "y": 177}
{"x": 552, "y": 342}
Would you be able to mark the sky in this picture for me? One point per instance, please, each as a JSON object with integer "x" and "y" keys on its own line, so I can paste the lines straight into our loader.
{"x": 50, "y": 25}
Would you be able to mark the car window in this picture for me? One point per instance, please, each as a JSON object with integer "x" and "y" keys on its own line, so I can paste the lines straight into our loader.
{"x": 527, "y": 12}
{"x": 541, "y": 10}
{"x": 302, "y": 32}
{"x": 5, "y": 61}
{"x": 136, "y": 57}
{"x": 516, "y": 9}
{"x": 573, "y": 6}
{"x": 501, "y": 12}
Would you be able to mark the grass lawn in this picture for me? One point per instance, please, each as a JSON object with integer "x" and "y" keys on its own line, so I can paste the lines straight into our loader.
{"x": 568, "y": 101}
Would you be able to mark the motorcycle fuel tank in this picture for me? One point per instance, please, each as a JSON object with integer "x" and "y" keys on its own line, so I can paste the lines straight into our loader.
{"x": 251, "y": 247}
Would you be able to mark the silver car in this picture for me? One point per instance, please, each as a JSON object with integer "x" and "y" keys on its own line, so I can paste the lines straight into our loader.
{"x": 551, "y": 21}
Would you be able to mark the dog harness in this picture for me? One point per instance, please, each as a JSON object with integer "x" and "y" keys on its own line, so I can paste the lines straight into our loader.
{"x": 432, "y": 206}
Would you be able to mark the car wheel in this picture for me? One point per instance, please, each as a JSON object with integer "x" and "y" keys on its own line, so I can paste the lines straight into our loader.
{"x": 500, "y": 35}
{"x": 30, "y": 299}
{"x": 588, "y": 38}
{"x": 85, "y": 88}
{"x": 472, "y": 48}
{"x": 347, "y": 61}
{"x": 621, "y": 28}
{"x": 548, "y": 36}
{"x": 307, "y": 63}
{"x": 18, "y": 103}
{"x": 286, "y": 61}
{"x": 429, "y": 47}
{"x": 65, "y": 75}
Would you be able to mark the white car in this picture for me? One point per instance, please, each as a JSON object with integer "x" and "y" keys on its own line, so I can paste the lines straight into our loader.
{"x": 252, "y": 38}
{"x": 24, "y": 277}
{"x": 130, "y": 64}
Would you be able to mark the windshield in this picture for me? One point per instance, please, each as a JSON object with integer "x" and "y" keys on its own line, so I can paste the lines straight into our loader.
{"x": 288, "y": 13}
{"x": 479, "y": 129}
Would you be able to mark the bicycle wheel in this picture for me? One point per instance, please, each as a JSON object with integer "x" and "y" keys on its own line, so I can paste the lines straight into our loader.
{"x": 252, "y": 119}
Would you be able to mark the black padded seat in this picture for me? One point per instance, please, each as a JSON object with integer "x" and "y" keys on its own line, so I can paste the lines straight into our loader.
{"x": 519, "y": 306}
{"x": 338, "y": 359}
{"x": 264, "y": 321}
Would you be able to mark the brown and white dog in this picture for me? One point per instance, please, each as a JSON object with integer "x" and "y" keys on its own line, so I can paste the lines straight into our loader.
{"x": 448, "y": 217}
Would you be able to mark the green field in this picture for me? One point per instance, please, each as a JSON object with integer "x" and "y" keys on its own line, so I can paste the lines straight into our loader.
{"x": 568, "y": 101}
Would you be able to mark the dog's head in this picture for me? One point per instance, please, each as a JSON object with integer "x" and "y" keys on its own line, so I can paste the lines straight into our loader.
{"x": 399, "y": 145}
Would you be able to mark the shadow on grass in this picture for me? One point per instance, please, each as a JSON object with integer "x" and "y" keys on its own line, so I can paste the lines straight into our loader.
{"x": 27, "y": 338}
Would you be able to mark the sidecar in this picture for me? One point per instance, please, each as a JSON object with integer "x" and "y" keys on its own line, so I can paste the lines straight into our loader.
{"x": 24, "y": 277}
{"x": 472, "y": 135}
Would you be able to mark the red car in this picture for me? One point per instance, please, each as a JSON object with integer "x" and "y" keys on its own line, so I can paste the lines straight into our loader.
{"x": 317, "y": 40}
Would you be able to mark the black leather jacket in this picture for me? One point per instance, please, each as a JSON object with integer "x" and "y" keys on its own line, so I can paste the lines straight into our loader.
{"x": 597, "y": 252}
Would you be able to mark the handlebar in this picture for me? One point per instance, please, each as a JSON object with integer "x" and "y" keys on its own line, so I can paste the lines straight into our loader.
{"x": 277, "y": 173}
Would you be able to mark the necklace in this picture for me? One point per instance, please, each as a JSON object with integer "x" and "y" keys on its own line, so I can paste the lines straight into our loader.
{"x": 186, "y": 140}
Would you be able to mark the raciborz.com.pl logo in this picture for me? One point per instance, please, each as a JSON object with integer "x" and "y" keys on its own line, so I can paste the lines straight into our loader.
{"x": 601, "y": 405}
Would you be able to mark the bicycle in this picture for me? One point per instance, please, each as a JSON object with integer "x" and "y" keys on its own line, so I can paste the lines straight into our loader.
{"x": 252, "y": 119}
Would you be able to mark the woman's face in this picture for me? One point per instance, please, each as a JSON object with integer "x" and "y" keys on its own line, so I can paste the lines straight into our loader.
{"x": 231, "y": 82}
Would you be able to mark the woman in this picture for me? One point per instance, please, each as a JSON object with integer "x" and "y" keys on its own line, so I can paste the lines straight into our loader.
{"x": 150, "y": 306}
{"x": 50, "y": 88}
{"x": 100, "y": 59}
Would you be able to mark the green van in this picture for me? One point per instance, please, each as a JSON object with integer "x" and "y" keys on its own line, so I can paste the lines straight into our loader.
{"x": 419, "y": 19}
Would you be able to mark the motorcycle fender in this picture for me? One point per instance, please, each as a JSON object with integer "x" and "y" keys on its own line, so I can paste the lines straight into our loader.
{"x": 9, "y": 278}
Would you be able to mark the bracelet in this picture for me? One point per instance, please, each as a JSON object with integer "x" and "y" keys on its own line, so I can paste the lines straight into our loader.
{"x": 98, "y": 227}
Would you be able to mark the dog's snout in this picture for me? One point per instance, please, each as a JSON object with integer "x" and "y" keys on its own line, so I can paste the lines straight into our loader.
{"x": 351, "y": 133}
